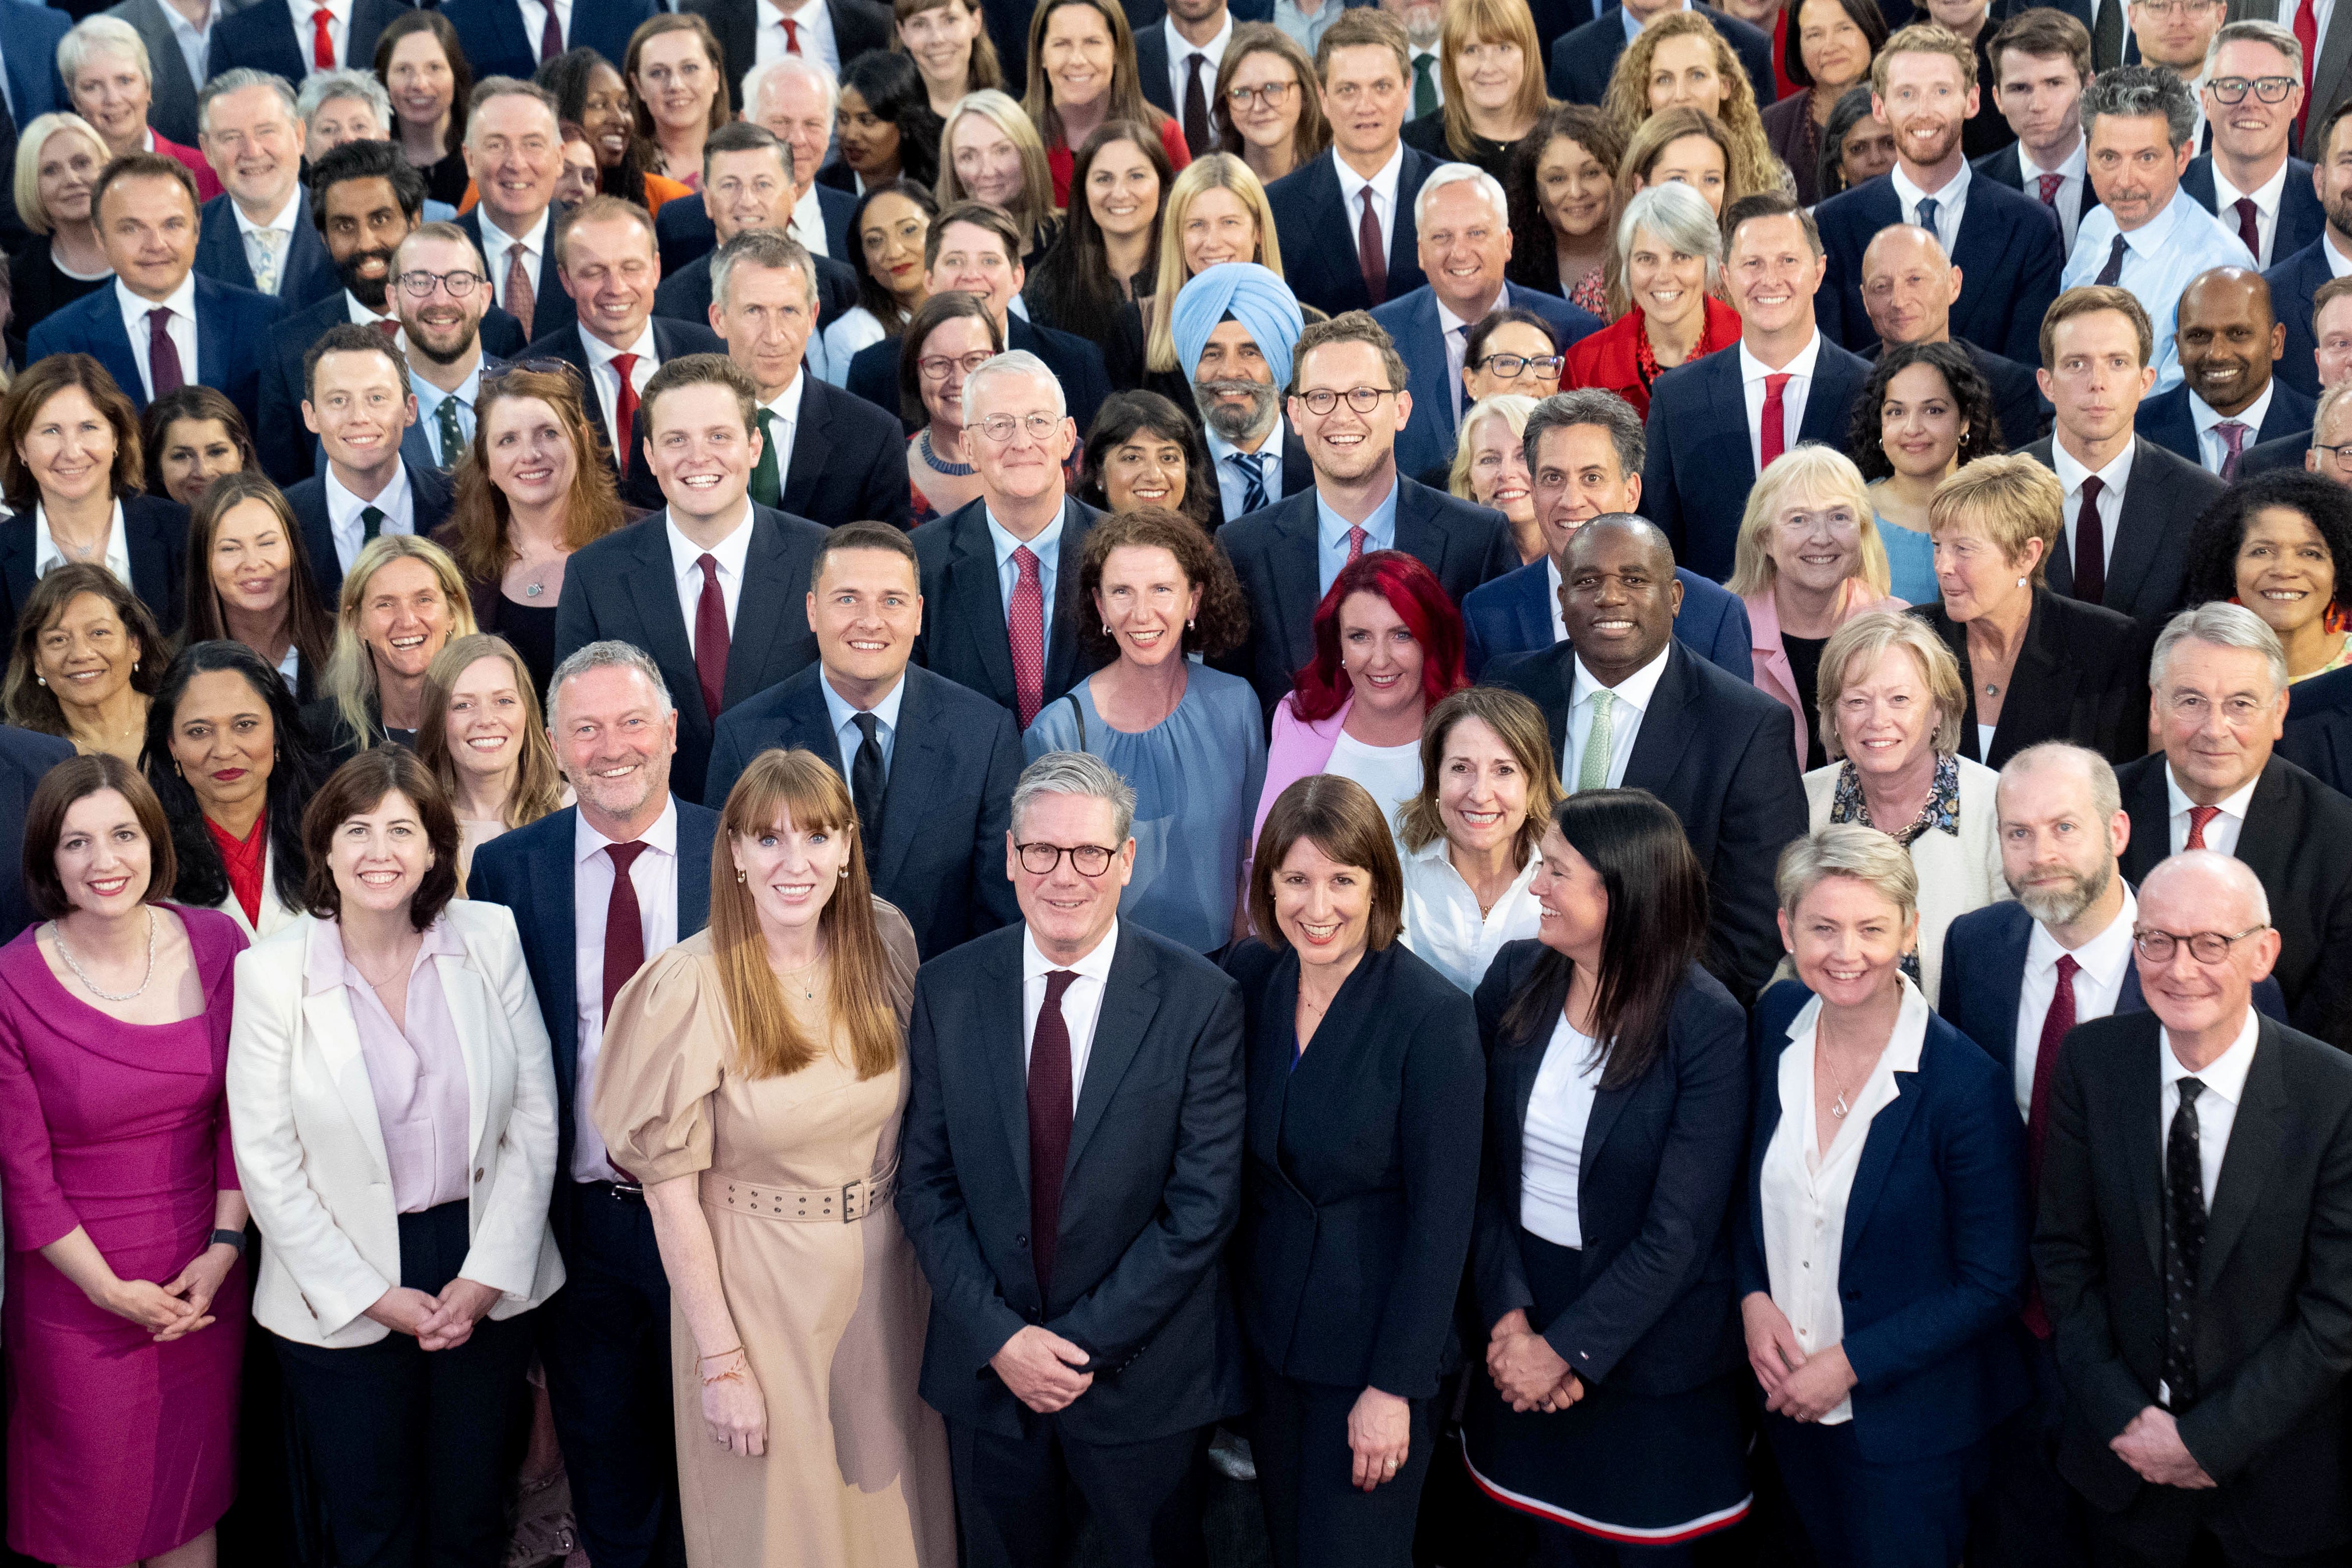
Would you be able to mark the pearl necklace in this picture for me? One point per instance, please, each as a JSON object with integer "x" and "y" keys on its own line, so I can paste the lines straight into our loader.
{"x": 57, "y": 937}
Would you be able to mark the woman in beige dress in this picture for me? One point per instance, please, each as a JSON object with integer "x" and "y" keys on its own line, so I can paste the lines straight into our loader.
{"x": 752, "y": 1078}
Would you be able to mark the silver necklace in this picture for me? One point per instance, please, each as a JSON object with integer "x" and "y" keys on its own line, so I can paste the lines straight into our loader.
{"x": 57, "y": 936}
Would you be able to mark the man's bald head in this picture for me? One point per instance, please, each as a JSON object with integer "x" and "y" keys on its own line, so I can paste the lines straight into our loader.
{"x": 1909, "y": 285}
{"x": 2203, "y": 890}
{"x": 2203, "y": 1005}
{"x": 1618, "y": 593}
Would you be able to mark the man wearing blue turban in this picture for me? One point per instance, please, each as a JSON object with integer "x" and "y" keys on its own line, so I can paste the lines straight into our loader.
{"x": 1234, "y": 326}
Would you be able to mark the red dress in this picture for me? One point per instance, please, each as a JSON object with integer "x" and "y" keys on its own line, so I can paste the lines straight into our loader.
{"x": 1611, "y": 358}
{"x": 118, "y": 1449}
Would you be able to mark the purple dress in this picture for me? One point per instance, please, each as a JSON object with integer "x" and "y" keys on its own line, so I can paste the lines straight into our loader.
{"x": 118, "y": 1449}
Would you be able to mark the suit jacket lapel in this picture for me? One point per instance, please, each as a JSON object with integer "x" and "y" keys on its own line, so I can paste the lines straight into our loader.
{"x": 213, "y": 353}
{"x": 1727, "y": 408}
{"x": 654, "y": 587}
{"x": 2267, "y": 841}
{"x": 113, "y": 345}
{"x": 1664, "y": 734}
{"x": 1878, "y": 1149}
{"x": 2007, "y": 985}
{"x": 693, "y": 883}
{"x": 2135, "y": 547}
{"x": 151, "y": 555}
{"x": 1296, "y": 578}
{"x": 1415, "y": 534}
{"x": 770, "y": 583}
{"x": 805, "y": 462}
{"x": 1272, "y": 1040}
{"x": 2041, "y": 686}
{"x": 1005, "y": 1051}
{"x": 1131, "y": 996}
{"x": 1531, "y": 609}
{"x": 920, "y": 764}
{"x": 463, "y": 987}
{"x": 328, "y": 1016}
{"x": 551, "y": 914}
{"x": 2137, "y": 1111}
{"x": 976, "y": 603}
{"x": 2263, "y": 1112}
{"x": 1062, "y": 660}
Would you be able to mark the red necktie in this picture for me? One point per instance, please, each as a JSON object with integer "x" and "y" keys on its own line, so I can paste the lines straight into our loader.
{"x": 625, "y": 416}
{"x": 711, "y": 638}
{"x": 1775, "y": 434}
{"x": 165, "y": 375}
{"x": 2090, "y": 545}
{"x": 551, "y": 37}
{"x": 322, "y": 39}
{"x": 2307, "y": 33}
{"x": 389, "y": 328}
{"x": 2050, "y": 184}
{"x": 2055, "y": 1025}
{"x": 1049, "y": 1126}
{"x": 625, "y": 937}
{"x": 1356, "y": 537}
{"x": 1370, "y": 256}
{"x": 2247, "y": 232}
{"x": 2199, "y": 815}
{"x": 1026, "y": 623}
{"x": 520, "y": 301}
{"x": 792, "y": 35}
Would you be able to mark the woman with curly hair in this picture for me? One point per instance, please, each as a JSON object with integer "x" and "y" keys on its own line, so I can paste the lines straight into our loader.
{"x": 2277, "y": 543}
{"x": 1143, "y": 452}
{"x": 589, "y": 93}
{"x": 1186, "y": 736}
{"x": 1558, "y": 182}
{"x": 1925, "y": 411}
{"x": 1680, "y": 61}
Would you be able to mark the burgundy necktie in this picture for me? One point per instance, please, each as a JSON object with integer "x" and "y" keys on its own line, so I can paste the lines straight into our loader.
{"x": 520, "y": 301}
{"x": 792, "y": 34}
{"x": 165, "y": 375}
{"x": 2307, "y": 33}
{"x": 2244, "y": 207}
{"x": 624, "y": 410}
{"x": 2233, "y": 445}
{"x": 1773, "y": 439}
{"x": 1196, "y": 106}
{"x": 2199, "y": 815}
{"x": 2059, "y": 1020}
{"x": 1357, "y": 539}
{"x": 1049, "y": 1127}
{"x": 1025, "y": 624}
{"x": 389, "y": 328}
{"x": 625, "y": 939}
{"x": 711, "y": 638}
{"x": 551, "y": 37}
{"x": 2050, "y": 184}
{"x": 1369, "y": 254}
{"x": 2090, "y": 546}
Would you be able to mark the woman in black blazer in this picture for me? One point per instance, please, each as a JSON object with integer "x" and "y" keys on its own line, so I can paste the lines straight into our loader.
{"x": 1360, "y": 1182}
{"x": 1616, "y": 1101}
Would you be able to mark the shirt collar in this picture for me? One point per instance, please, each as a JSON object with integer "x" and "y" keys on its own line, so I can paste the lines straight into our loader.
{"x": 837, "y": 708}
{"x": 362, "y": 316}
{"x": 327, "y": 967}
{"x": 1220, "y": 448}
{"x": 429, "y": 396}
{"x": 786, "y": 404}
{"x": 1801, "y": 364}
{"x": 602, "y": 354}
{"x": 2103, "y": 958}
{"x": 281, "y": 223}
{"x": 1383, "y": 183}
{"x": 496, "y": 238}
{"x": 1094, "y": 965}
{"x": 729, "y": 551}
{"x": 1902, "y": 1046}
{"x": 2202, "y": 415}
{"x": 2265, "y": 195}
{"x": 1045, "y": 547}
{"x": 1181, "y": 49}
{"x": 2072, "y": 473}
{"x": 1331, "y": 528}
{"x": 2234, "y": 807}
{"x": 45, "y": 548}
{"x": 662, "y": 836}
{"x": 187, "y": 29}
{"x": 2225, "y": 1075}
{"x": 181, "y": 301}
{"x": 2072, "y": 166}
{"x": 1636, "y": 690}
{"x": 808, "y": 215}
{"x": 340, "y": 9}
{"x": 342, "y": 506}
{"x": 1955, "y": 189}
{"x": 2150, "y": 238}
{"x": 1632, "y": 24}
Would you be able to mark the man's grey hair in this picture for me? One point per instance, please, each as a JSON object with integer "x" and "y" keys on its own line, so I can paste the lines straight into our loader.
{"x": 2106, "y": 794}
{"x": 1019, "y": 362}
{"x": 320, "y": 88}
{"x": 1074, "y": 772}
{"x": 102, "y": 35}
{"x": 2136, "y": 93}
{"x": 237, "y": 80}
{"x": 2217, "y": 623}
{"x": 761, "y": 248}
{"x": 493, "y": 87}
{"x": 2253, "y": 32}
{"x": 756, "y": 81}
{"x": 2323, "y": 418}
{"x": 609, "y": 654}
{"x": 1590, "y": 406}
{"x": 1446, "y": 175}
{"x": 1681, "y": 219}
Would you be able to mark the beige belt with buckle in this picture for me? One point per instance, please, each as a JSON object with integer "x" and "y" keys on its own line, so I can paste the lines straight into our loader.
{"x": 821, "y": 1205}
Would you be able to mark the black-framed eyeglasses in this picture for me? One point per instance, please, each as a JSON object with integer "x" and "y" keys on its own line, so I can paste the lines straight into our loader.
{"x": 1040, "y": 859}
{"x": 937, "y": 366}
{"x": 2269, "y": 88}
{"x": 1362, "y": 399}
{"x": 562, "y": 367}
{"x": 1508, "y": 366}
{"x": 2204, "y": 946}
{"x": 1274, "y": 94}
{"x": 418, "y": 285}
{"x": 2336, "y": 455}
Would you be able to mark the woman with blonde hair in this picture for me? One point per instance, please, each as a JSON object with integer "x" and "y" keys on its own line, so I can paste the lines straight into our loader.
{"x": 1268, "y": 104}
{"x": 1490, "y": 468}
{"x": 1682, "y": 62}
{"x": 678, "y": 80}
{"x": 1216, "y": 211}
{"x": 1082, "y": 75}
{"x": 57, "y": 160}
{"x": 401, "y": 601}
{"x": 1492, "y": 66}
{"x": 481, "y": 735}
{"x": 948, "y": 42}
{"x": 767, "y": 1055}
{"x": 990, "y": 152}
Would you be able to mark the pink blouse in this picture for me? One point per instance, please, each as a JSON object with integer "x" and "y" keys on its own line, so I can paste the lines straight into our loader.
{"x": 417, "y": 1074}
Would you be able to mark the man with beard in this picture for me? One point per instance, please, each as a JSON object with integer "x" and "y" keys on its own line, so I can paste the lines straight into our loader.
{"x": 2006, "y": 245}
{"x": 1235, "y": 325}
{"x": 2227, "y": 400}
{"x": 441, "y": 315}
{"x": 2296, "y": 280}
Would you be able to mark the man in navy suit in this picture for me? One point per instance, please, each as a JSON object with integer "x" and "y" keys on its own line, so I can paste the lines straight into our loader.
{"x": 1714, "y": 424}
{"x": 2295, "y": 280}
{"x": 498, "y": 41}
{"x": 2041, "y": 60}
{"x": 1287, "y": 555}
{"x": 2247, "y": 180}
{"x": 855, "y": 25}
{"x": 190, "y": 329}
{"x": 2228, "y": 401}
{"x": 1069, "y": 1174}
{"x": 356, "y": 400}
{"x": 267, "y": 36}
{"x": 1235, "y": 327}
{"x": 514, "y": 150}
{"x": 606, "y": 1338}
{"x": 26, "y": 756}
{"x": 1908, "y": 286}
{"x": 446, "y": 361}
{"x": 929, "y": 763}
{"x": 792, "y": 102}
{"x": 1364, "y": 187}
{"x": 2006, "y": 245}
{"x": 1177, "y": 54}
{"x": 747, "y": 184}
{"x": 1583, "y": 60}
{"x": 1584, "y": 455}
{"x": 258, "y": 233}
{"x": 1464, "y": 227}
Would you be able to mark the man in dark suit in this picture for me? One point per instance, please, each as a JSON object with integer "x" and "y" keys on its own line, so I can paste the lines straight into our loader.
{"x": 2129, "y": 503}
{"x": 264, "y": 36}
{"x": 1178, "y": 49}
{"x": 624, "y": 873}
{"x": 1908, "y": 286}
{"x": 855, "y": 25}
{"x": 1714, "y": 424}
{"x": 1364, "y": 188}
{"x": 788, "y": 99}
{"x": 446, "y": 361}
{"x": 1235, "y": 329}
{"x": 747, "y": 183}
{"x": 2192, "y": 1251}
{"x": 1001, "y": 573}
{"x": 1628, "y": 705}
{"x": 709, "y": 584}
{"x": 254, "y": 141}
{"x": 2041, "y": 60}
{"x": 1463, "y": 226}
{"x": 192, "y": 328}
{"x": 2247, "y": 179}
{"x": 1069, "y": 1184}
{"x": 25, "y": 755}
{"x": 2228, "y": 402}
{"x": 1584, "y": 454}
{"x": 2217, "y": 686}
{"x": 498, "y": 40}
{"x": 929, "y": 765}
{"x": 514, "y": 150}
{"x": 356, "y": 400}
{"x": 1287, "y": 555}
{"x": 2296, "y": 279}
{"x": 1583, "y": 60}
{"x": 2005, "y": 244}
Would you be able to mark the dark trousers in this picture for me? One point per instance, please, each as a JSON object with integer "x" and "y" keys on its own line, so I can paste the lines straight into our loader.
{"x": 605, "y": 1341}
{"x": 411, "y": 1451}
{"x": 1019, "y": 1499}
{"x": 1859, "y": 1513}
{"x": 2028, "y": 1517}
{"x": 1314, "y": 1515}
{"x": 2165, "y": 1527}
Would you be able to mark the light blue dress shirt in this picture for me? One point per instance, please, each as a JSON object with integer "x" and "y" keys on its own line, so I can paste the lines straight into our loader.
{"x": 1047, "y": 548}
{"x": 2159, "y": 259}
{"x": 1633, "y": 23}
{"x": 845, "y": 733}
{"x": 1332, "y": 537}
{"x": 1231, "y": 485}
{"x": 429, "y": 410}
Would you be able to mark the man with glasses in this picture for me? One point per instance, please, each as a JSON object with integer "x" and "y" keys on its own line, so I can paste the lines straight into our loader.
{"x": 440, "y": 292}
{"x": 1001, "y": 573}
{"x": 2192, "y": 1253}
{"x": 2217, "y": 686}
{"x": 1349, "y": 401}
{"x": 2253, "y": 98}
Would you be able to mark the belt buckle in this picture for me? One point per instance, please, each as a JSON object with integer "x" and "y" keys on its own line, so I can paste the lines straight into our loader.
{"x": 625, "y": 1191}
{"x": 854, "y": 1197}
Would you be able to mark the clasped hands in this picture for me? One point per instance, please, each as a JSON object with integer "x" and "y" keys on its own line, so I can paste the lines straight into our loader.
{"x": 1799, "y": 1387}
{"x": 179, "y": 1307}
{"x": 1526, "y": 1371}
{"x": 1042, "y": 1369}
{"x": 441, "y": 1322}
{"x": 2151, "y": 1445}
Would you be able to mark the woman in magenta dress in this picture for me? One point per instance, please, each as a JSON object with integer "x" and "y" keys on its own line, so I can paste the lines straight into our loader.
{"x": 125, "y": 1309}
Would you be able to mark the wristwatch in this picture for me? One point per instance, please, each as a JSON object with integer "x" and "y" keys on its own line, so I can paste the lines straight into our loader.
{"x": 229, "y": 1237}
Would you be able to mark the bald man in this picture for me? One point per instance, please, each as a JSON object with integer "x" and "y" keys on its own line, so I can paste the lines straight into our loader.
{"x": 1908, "y": 286}
{"x": 2195, "y": 1247}
{"x": 2228, "y": 401}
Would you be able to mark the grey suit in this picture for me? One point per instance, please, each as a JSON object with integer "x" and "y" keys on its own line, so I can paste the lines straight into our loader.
{"x": 171, "y": 110}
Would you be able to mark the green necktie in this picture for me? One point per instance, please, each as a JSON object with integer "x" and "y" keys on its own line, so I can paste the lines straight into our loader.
{"x": 370, "y": 523}
{"x": 767, "y": 489}
{"x": 1424, "y": 85}
{"x": 1599, "y": 742}
{"x": 453, "y": 435}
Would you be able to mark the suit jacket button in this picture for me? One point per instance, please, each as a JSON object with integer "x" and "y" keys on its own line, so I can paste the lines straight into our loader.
{"x": 1021, "y": 1242}
{"x": 478, "y": 1173}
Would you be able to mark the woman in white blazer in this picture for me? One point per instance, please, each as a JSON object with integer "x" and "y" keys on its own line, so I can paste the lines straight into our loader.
{"x": 229, "y": 760}
{"x": 1892, "y": 707}
{"x": 392, "y": 1101}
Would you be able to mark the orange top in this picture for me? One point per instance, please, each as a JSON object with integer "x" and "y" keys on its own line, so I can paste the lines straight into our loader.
{"x": 659, "y": 188}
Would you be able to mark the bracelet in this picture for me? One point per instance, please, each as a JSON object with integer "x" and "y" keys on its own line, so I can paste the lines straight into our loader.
{"x": 229, "y": 1238}
{"x": 722, "y": 1355}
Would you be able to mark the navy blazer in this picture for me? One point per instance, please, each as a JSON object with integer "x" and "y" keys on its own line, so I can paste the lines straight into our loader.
{"x": 1325, "y": 274}
{"x": 1076, "y": 363}
{"x": 624, "y": 585}
{"x": 157, "y": 530}
{"x": 309, "y": 274}
{"x": 938, "y": 852}
{"x": 35, "y": 88}
{"x": 1931, "y": 1269}
{"x": 1705, "y": 749}
{"x": 551, "y": 308}
{"x": 1356, "y": 1213}
{"x": 858, "y": 25}
{"x": 529, "y": 871}
{"x": 2165, "y": 419}
{"x": 2008, "y": 251}
{"x": 1430, "y": 437}
{"x": 847, "y": 464}
{"x": 2294, "y": 281}
{"x": 2318, "y": 736}
{"x": 965, "y": 635}
{"x": 261, "y": 37}
{"x": 2147, "y": 561}
{"x": 685, "y": 295}
{"x": 1275, "y": 553}
{"x": 1149, "y": 1195}
{"x": 671, "y": 338}
{"x": 2016, "y": 395}
{"x": 231, "y": 324}
{"x": 2301, "y": 218}
{"x": 491, "y": 32}
{"x": 1700, "y": 468}
{"x": 1583, "y": 60}
{"x": 683, "y": 229}
{"x": 25, "y": 756}
{"x": 1655, "y": 1313}
{"x": 431, "y": 494}
{"x": 1513, "y": 615}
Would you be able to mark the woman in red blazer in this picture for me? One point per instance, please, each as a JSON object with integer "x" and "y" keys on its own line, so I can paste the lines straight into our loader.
{"x": 1671, "y": 259}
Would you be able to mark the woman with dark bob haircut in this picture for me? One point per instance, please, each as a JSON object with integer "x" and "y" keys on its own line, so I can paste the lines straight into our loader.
{"x": 193, "y": 436}
{"x": 1185, "y": 736}
{"x": 1359, "y": 1179}
{"x": 102, "y": 631}
{"x": 1616, "y": 1111}
{"x": 2281, "y": 545}
{"x": 1143, "y": 452}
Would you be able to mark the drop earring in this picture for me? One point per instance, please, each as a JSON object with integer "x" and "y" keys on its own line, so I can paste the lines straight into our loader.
{"x": 739, "y": 873}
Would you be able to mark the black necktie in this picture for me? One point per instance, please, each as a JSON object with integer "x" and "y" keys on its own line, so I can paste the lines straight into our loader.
{"x": 2111, "y": 273}
{"x": 2107, "y": 36}
{"x": 867, "y": 780}
{"x": 2184, "y": 1247}
{"x": 1196, "y": 105}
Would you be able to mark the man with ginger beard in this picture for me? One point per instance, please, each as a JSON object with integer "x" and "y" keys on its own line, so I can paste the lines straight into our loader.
{"x": 2226, "y": 401}
{"x": 442, "y": 320}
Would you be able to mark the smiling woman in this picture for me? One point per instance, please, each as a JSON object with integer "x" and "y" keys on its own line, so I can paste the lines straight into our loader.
{"x": 86, "y": 658}
{"x": 402, "y": 600}
{"x": 421, "y": 64}
{"x": 57, "y": 160}
{"x": 481, "y": 735}
{"x": 1082, "y": 73}
{"x": 252, "y": 583}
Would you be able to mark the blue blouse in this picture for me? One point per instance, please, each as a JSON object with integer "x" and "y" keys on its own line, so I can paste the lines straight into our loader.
{"x": 1911, "y": 563}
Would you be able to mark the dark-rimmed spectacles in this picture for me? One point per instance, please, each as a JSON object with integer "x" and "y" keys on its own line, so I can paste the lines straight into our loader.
{"x": 2208, "y": 947}
{"x": 1362, "y": 399}
{"x": 1040, "y": 859}
{"x": 2269, "y": 88}
{"x": 418, "y": 285}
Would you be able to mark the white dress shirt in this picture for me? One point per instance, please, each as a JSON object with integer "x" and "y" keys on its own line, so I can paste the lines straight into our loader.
{"x": 1952, "y": 202}
{"x": 2212, "y": 451}
{"x": 1383, "y": 186}
{"x": 2106, "y": 959}
{"x": 46, "y": 556}
{"x": 847, "y": 737}
{"x": 338, "y": 29}
{"x": 2221, "y": 832}
{"x": 606, "y": 375}
{"x": 1442, "y": 922}
{"x": 2072, "y": 171}
{"x": 1552, "y": 587}
{"x": 1800, "y": 371}
{"x": 2159, "y": 259}
{"x": 808, "y": 213}
{"x": 496, "y": 242}
{"x": 786, "y": 408}
{"x": 534, "y": 21}
{"x": 2224, "y": 1079}
{"x": 1801, "y": 1191}
{"x": 181, "y": 328}
{"x": 428, "y": 407}
{"x": 1047, "y": 548}
{"x": 360, "y": 316}
{"x": 1633, "y": 695}
{"x": 266, "y": 245}
{"x": 814, "y": 25}
{"x": 654, "y": 874}
{"x": 1081, "y": 1001}
{"x": 1552, "y": 1137}
{"x": 195, "y": 43}
{"x": 1389, "y": 774}
{"x": 1454, "y": 332}
{"x": 2112, "y": 480}
{"x": 1180, "y": 50}
{"x": 2265, "y": 197}
{"x": 730, "y": 552}
{"x": 350, "y": 529}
